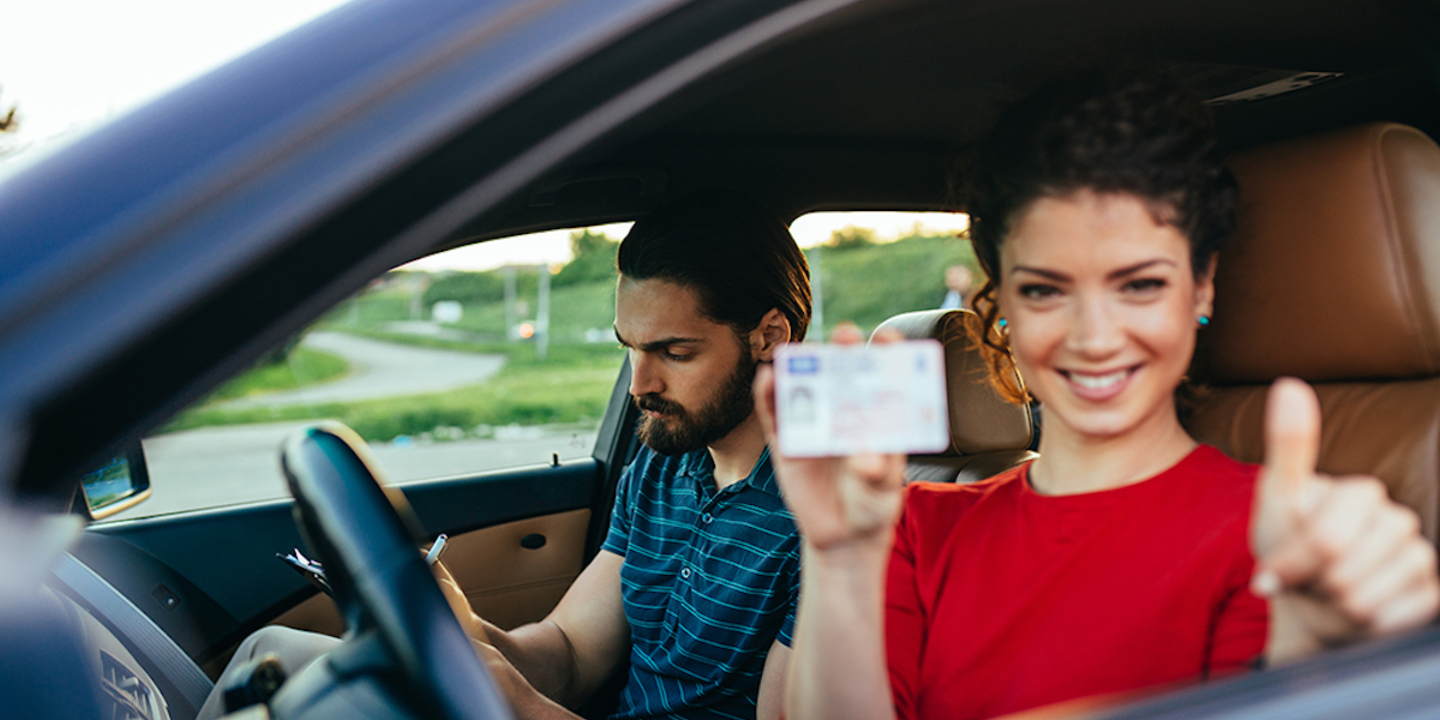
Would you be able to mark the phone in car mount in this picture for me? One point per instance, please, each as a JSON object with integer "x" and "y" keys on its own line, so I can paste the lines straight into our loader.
{"x": 314, "y": 572}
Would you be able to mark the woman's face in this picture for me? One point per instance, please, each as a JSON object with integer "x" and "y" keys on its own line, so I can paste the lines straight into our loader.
{"x": 1101, "y": 306}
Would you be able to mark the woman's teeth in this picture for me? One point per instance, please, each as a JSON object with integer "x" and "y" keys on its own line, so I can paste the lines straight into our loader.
{"x": 1098, "y": 382}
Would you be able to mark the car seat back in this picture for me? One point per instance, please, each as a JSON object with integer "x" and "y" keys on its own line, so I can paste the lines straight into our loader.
{"x": 1334, "y": 277}
{"x": 988, "y": 434}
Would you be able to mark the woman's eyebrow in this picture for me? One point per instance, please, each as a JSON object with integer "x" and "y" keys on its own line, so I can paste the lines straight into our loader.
{"x": 1051, "y": 274}
{"x": 1137, "y": 267}
{"x": 1113, "y": 275}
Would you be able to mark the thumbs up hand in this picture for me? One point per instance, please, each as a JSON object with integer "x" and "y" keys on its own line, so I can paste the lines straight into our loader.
{"x": 1339, "y": 560}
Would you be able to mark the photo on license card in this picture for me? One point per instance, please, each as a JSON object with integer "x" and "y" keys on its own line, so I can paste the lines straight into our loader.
{"x": 835, "y": 400}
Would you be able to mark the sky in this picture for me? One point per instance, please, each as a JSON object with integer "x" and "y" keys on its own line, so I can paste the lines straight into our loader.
{"x": 72, "y": 65}
{"x": 553, "y": 247}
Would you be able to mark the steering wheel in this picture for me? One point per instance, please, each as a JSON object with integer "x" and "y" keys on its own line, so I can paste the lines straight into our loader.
{"x": 362, "y": 532}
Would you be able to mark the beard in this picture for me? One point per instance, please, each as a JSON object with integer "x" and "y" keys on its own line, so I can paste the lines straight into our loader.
{"x": 683, "y": 431}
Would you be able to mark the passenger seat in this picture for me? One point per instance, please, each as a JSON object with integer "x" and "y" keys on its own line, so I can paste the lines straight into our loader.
{"x": 988, "y": 434}
{"x": 1334, "y": 277}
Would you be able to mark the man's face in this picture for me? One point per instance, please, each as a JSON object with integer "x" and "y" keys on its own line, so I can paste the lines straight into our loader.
{"x": 957, "y": 278}
{"x": 690, "y": 375}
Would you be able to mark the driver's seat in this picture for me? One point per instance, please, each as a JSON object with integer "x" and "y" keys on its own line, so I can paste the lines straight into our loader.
{"x": 1334, "y": 277}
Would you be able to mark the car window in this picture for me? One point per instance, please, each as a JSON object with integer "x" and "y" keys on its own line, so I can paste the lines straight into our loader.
{"x": 866, "y": 267}
{"x": 495, "y": 355}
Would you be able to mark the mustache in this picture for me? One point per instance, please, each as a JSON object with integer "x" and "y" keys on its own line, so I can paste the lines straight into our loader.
{"x": 655, "y": 403}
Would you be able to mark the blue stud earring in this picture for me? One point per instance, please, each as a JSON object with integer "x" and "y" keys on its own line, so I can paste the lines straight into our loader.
{"x": 1204, "y": 320}
{"x": 1003, "y": 322}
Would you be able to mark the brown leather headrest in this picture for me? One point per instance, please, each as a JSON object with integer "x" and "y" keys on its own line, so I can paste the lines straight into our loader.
{"x": 1334, "y": 273}
{"x": 980, "y": 420}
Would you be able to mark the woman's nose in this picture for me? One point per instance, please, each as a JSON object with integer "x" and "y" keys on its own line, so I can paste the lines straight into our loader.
{"x": 1096, "y": 330}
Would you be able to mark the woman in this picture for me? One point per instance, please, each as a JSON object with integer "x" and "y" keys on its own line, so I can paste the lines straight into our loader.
{"x": 1126, "y": 555}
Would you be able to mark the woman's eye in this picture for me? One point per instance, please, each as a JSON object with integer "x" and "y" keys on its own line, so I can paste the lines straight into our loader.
{"x": 1038, "y": 291}
{"x": 1145, "y": 284}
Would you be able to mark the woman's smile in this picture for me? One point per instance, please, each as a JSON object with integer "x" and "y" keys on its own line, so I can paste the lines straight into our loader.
{"x": 1099, "y": 386}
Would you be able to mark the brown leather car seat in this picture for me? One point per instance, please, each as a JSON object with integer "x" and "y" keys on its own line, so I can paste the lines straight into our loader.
{"x": 1334, "y": 277}
{"x": 987, "y": 433}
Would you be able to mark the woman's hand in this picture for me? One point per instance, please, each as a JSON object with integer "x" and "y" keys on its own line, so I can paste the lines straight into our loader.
{"x": 1339, "y": 560}
{"x": 838, "y": 502}
{"x": 845, "y": 509}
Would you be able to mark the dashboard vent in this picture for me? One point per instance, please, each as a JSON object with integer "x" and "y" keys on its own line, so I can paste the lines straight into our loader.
{"x": 126, "y": 694}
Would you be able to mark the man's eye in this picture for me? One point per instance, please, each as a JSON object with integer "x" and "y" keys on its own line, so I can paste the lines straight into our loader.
{"x": 1038, "y": 291}
{"x": 676, "y": 356}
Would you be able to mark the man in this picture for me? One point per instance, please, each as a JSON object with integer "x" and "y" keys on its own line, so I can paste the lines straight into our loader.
{"x": 958, "y": 283}
{"x": 698, "y": 578}
{"x": 697, "y": 581}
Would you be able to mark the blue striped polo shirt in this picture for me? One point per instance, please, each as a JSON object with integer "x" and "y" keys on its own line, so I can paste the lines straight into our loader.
{"x": 709, "y": 582}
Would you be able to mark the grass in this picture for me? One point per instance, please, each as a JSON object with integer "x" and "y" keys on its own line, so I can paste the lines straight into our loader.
{"x": 869, "y": 284}
{"x": 575, "y": 311}
{"x": 865, "y": 284}
{"x": 303, "y": 366}
{"x": 571, "y": 386}
{"x": 523, "y": 354}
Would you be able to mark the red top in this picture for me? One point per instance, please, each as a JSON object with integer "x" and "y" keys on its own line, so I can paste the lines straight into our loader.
{"x": 1000, "y": 599}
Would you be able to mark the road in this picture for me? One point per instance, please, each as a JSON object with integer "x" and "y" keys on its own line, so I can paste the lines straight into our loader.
{"x": 380, "y": 370}
{"x": 215, "y": 466}
{"x": 224, "y": 465}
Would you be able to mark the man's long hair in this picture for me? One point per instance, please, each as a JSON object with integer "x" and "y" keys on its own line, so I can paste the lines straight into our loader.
{"x": 737, "y": 256}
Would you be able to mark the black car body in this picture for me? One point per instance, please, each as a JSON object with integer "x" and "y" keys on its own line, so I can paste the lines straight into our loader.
{"x": 145, "y": 264}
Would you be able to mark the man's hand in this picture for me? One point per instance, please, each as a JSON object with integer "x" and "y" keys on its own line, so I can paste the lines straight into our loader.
{"x": 472, "y": 624}
{"x": 837, "y": 502}
{"x": 525, "y": 701}
{"x": 541, "y": 665}
{"x": 1339, "y": 560}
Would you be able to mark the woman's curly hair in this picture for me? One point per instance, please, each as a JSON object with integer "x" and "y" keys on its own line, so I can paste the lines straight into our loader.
{"x": 1141, "y": 133}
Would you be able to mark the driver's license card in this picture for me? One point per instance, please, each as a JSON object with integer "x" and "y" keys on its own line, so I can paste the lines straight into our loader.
{"x": 833, "y": 400}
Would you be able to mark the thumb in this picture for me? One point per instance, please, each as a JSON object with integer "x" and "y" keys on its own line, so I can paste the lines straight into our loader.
{"x": 1286, "y": 488}
{"x": 1292, "y": 438}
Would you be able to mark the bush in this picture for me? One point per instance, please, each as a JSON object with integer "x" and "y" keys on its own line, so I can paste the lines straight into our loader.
{"x": 593, "y": 260}
{"x": 868, "y": 284}
{"x": 851, "y": 237}
{"x": 466, "y": 288}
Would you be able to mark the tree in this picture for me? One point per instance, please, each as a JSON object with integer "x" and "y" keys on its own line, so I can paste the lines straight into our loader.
{"x": 592, "y": 259}
{"x": 9, "y": 124}
{"x": 471, "y": 288}
{"x": 851, "y": 237}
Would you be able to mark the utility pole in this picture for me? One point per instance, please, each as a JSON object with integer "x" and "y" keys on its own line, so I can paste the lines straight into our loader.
{"x": 415, "y": 282}
{"x": 510, "y": 318}
{"x": 542, "y": 313}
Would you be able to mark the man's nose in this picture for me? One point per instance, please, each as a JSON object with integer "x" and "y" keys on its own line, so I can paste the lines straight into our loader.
{"x": 644, "y": 375}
